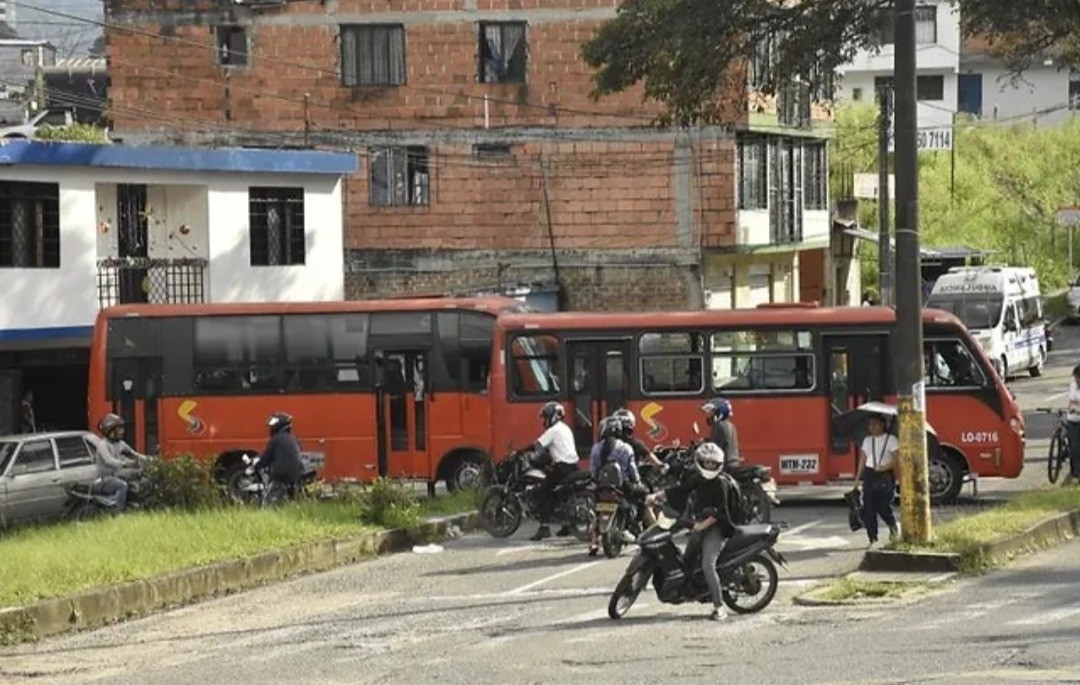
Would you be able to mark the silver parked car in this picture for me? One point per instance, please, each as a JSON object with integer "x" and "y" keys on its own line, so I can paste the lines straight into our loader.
{"x": 37, "y": 468}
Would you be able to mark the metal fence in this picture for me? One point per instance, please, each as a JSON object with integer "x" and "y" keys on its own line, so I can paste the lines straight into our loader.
{"x": 143, "y": 280}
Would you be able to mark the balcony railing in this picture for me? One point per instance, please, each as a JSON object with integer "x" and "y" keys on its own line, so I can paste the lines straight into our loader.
{"x": 142, "y": 280}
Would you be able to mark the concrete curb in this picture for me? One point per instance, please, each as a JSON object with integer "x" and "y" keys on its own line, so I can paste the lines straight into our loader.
{"x": 1052, "y": 530}
{"x": 102, "y": 606}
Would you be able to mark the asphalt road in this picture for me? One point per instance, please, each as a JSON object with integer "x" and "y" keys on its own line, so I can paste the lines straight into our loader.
{"x": 483, "y": 610}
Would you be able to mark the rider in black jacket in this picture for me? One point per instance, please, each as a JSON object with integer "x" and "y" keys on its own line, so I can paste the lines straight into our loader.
{"x": 281, "y": 459}
{"x": 708, "y": 498}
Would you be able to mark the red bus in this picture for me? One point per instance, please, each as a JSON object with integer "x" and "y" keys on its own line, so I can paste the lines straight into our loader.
{"x": 392, "y": 387}
{"x": 789, "y": 372}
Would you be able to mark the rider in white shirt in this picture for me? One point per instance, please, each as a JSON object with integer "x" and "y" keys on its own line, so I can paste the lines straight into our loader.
{"x": 558, "y": 440}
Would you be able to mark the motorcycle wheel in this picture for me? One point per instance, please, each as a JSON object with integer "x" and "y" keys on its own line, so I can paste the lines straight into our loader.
{"x": 626, "y": 593}
{"x": 84, "y": 512}
{"x": 757, "y": 504}
{"x": 500, "y": 514}
{"x": 234, "y": 488}
{"x": 582, "y": 515}
{"x": 611, "y": 540}
{"x": 747, "y": 586}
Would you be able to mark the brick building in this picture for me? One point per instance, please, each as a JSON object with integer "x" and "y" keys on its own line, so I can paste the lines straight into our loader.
{"x": 483, "y": 162}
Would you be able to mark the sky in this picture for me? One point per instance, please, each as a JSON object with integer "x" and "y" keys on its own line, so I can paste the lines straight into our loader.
{"x": 71, "y": 36}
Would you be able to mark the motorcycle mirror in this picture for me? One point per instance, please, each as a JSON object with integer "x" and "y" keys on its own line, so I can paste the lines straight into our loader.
{"x": 697, "y": 428}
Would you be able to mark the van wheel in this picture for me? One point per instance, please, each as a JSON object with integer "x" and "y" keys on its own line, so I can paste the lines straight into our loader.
{"x": 1037, "y": 370}
{"x": 1002, "y": 368}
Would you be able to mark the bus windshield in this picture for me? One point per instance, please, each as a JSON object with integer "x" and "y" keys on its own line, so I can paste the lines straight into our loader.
{"x": 980, "y": 311}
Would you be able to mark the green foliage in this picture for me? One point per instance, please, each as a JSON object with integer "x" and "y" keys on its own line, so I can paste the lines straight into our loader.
{"x": 182, "y": 482}
{"x": 75, "y": 133}
{"x": 1010, "y": 180}
{"x": 388, "y": 504}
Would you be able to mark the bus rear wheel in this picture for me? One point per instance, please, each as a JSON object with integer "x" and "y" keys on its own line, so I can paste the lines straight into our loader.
{"x": 946, "y": 476}
{"x": 468, "y": 472}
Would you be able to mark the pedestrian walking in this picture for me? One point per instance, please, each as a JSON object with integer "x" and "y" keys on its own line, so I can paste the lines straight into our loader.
{"x": 878, "y": 463}
{"x": 27, "y": 422}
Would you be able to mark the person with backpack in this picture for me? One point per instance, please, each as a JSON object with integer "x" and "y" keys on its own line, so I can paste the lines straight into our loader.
{"x": 612, "y": 464}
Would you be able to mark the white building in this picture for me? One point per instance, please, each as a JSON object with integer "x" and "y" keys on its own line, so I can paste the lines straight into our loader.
{"x": 937, "y": 34}
{"x": 87, "y": 226}
{"x": 1045, "y": 93}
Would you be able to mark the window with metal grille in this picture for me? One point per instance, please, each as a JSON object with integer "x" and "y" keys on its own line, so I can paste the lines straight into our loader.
{"x": 30, "y": 225}
{"x": 502, "y": 52}
{"x": 277, "y": 226}
{"x": 400, "y": 176}
{"x": 816, "y": 177}
{"x": 373, "y": 55}
{"x": 753, "y": 182}
{"x": 925, "y": 26}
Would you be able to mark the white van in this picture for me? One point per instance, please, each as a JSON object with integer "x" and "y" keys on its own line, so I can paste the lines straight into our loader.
{"x": 1002, "y": 307}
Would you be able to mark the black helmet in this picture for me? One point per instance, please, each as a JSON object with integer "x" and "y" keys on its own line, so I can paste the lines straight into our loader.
{"x": 109, "y": 423}
{"x": 626, "y": 419}
{"x": 278, "y": 422}
{"x": 552, "y": 413}
{"x": 611, "y": 427}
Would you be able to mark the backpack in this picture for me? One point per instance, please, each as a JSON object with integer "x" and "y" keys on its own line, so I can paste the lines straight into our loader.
{"x": 739, "y": 514}
{"x": 610, "y": 474}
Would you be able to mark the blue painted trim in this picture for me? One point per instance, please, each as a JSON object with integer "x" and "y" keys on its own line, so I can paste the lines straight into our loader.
{"x": 37, "y": 153}
{"x": 55, "y": 333}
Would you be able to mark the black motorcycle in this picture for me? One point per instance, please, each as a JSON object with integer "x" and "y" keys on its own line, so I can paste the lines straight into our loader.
{"x": 84, "y": 503}
{"x": 757, "y": 489}
{"x": 619, "y": 513}
{"x": 248, "y": 485}
{"x": 514, "y": 496}
{"x": 746, "y": 567}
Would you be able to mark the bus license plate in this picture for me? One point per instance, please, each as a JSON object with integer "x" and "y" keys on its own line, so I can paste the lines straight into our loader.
{"x": 797, "y": 464}
{"x": 606, "y": 507}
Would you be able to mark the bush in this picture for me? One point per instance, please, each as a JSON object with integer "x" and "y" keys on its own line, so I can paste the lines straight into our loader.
{"x": 387, "y": 504}
{"x": 75, "y": 133}
{"x": 182, "y": 482}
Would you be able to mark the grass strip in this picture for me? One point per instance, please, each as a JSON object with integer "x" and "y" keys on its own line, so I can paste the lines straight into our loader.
{"x": 849, "y": 589}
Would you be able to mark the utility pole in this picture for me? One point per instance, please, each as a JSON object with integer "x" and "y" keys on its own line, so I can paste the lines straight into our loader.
{"x": 911, "y": 389}
{"x": 886, "y": 272}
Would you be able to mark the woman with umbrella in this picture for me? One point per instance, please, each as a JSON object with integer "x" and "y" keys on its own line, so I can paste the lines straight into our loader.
{"x": 879, "y": 459}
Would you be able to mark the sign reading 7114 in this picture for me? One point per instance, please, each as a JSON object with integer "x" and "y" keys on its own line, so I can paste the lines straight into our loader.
{"x": 930, "y": 139}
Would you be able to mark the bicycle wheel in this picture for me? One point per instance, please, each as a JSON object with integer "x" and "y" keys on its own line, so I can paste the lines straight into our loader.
{"x": 1059, "y": 448}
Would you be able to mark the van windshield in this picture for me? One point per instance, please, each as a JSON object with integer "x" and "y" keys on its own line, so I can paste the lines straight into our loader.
{"x": 976, "y": 311}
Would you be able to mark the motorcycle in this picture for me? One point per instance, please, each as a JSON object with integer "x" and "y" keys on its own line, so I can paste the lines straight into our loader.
{"x": 247, "y": 485}
{"x": 619, "y": 516}
{"x": 747, "y": 569}
{"x": 83, "y": 503}
{"x": 513, "y": 496}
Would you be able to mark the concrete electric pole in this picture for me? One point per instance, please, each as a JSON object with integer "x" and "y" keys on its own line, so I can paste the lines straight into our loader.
{"x": 911, "y": 389}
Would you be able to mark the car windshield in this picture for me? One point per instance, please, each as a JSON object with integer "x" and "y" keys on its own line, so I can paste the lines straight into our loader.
{"x": 976, "y": 311}
{"x": 6, "y": 450}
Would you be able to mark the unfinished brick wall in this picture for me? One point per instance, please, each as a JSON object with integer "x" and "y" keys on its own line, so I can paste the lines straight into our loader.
{"x": 164, "y": 73}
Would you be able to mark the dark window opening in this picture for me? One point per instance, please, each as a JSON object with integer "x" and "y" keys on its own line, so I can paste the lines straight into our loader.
{"x": 277, "y": 226}
{"x": 400, "y": 177}
{"x": 492, "y": 151}
{"x": 816, "y": 177}
{"x": 30, "y": 225}
{"x": 373, "y": 55}
{"x": 502, "y": 52}
{"x": 753, "y": 180}
{"x": 930, "y": 88}
{"x": 232, "y": 47}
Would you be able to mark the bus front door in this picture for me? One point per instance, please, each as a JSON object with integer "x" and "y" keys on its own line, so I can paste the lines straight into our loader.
{"x": 857, "y": 368}
{"x": 136, "y": 390}
{"x": 401, "y": 422}
{"x": 600, "y": 383}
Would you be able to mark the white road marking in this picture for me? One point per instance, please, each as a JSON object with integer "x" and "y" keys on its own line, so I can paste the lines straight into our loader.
{"x": 814, "y": 543}
{"x": 1058, "y": 396}
{"x": 553, "y": 593}
{"x": 798, "y": 529}
{"x": 521, "y": 548}
{"x": 554, "y": 576}
{"x": 1047, "y": 616}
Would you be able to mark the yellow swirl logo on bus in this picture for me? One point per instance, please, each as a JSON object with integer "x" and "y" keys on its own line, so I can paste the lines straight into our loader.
{"x": 195, "y": 426}
{"x": 657, "y": 431}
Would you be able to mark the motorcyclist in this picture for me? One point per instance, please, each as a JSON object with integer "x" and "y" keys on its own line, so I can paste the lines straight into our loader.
{"x": 117, "y": 461}
{"x": 557, "y": 441}
{"x": 608, "y": 453}
{"x": 718, "y": 412}
{"x": 281, "y": 459}
{"x": 709, "y": 497}
{"x": 627, "y": 422}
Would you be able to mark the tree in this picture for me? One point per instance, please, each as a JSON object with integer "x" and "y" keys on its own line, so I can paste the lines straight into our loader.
{"x": 1009, "y": 183}
{"x": 687, "y": 53}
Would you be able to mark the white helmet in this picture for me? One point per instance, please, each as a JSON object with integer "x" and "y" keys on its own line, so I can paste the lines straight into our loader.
{"x": 710, "y": 460}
